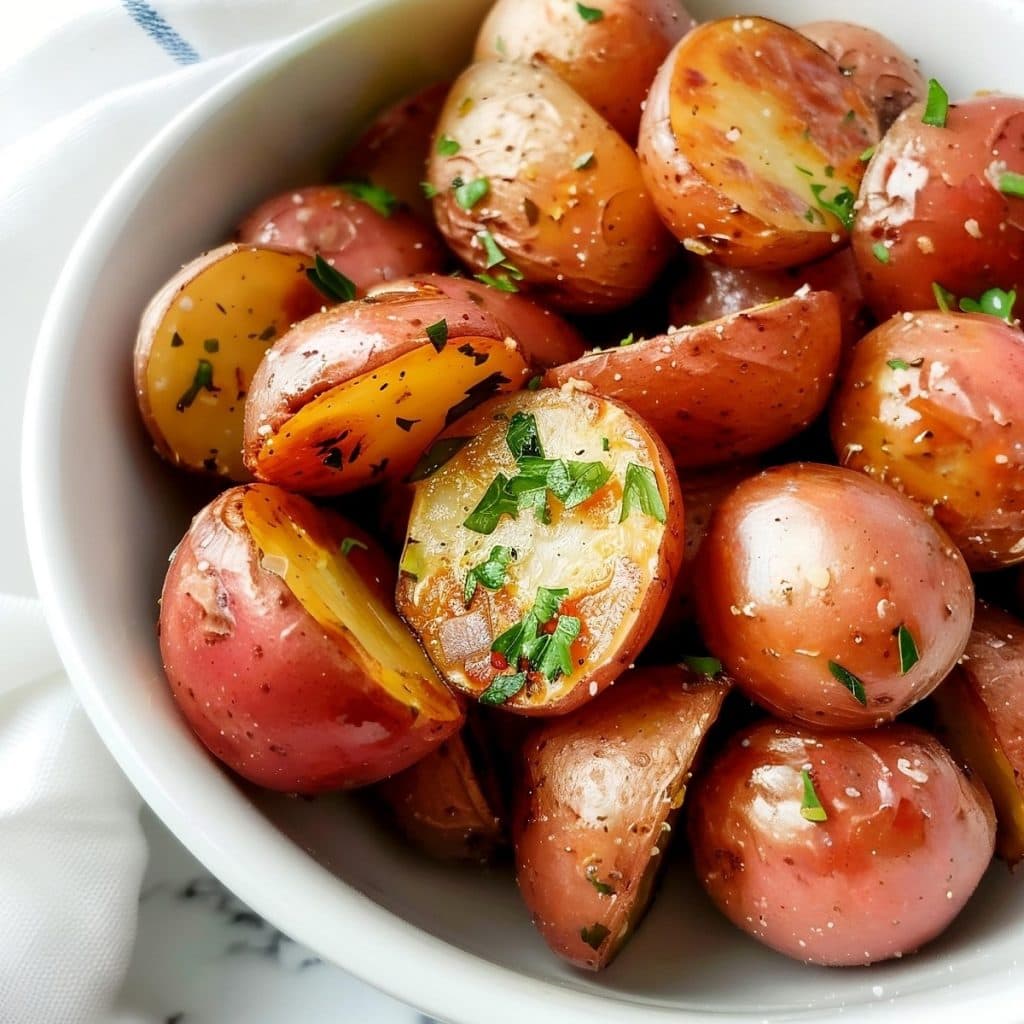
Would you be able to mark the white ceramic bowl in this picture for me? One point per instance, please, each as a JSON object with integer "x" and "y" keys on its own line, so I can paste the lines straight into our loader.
{"x": 102, "y": 515}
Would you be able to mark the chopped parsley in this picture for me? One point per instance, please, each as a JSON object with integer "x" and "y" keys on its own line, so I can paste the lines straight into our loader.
{"x": 867, "y": 154}
{"x": 330, "y": 282}
{"x": 533, "y": 383}
{"x": 640, "y": 491}
{"x": 447, "y": 146}
{"x": 595, "y": 934}
{"x": 500, "y": 282}
{"x": 495, "y": 503}
{"x": 936, "y": 107}
{"x": 881, "y": 252}
{"x": 908, "y": 650}
{"x": 201, "y": 381}
{"x": 494, "y": 255}
{"x": 897, "y": 364}
{"x": 521, "y": 436}
{"x": 606, "y": 445}
{"x": 436, "y": 456}
{"x": 438, "y": 334}
{"x": 994, "y": 302}
{"x": 490, "y": 573}
{"x": 412, "y": 563}
{"x": 840, "y": 205}
{"x": 376, "y": 197}
{"x": 850, "y": 681}
{"x": 531, "y": 646}
{"x": 811, "y": 808}
{"x": 348, "y": 543}
{"x": 629, "y": 339}
{"x": 603, "y": 888}
{"x": 503, "y": 688}
{"x": 943, "y": 299}
{"x": 428, "y": 189}
{"x": 1011, "y": 184}
{"x": 703, "y": 666}
{"x": 469, "y": 193}
{"x": 590, "y": 14}
{"x": 583, "y": 161}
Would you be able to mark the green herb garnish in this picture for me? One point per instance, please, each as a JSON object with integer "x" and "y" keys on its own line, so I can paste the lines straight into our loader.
{"x": 641, "y": 491}
{"x": 348, "y": 543}
{"x": 840, "y": 205}
{"x": 850, "y": 681}
{"x": 447, "y": 146}
{"x": 376, "y": 197}
{"x": 881, "y": 252}
{"x": 1011, "y": 184}
{"x": 412, "y": 563}
{"x": 936, "y": 107}
{"x": 548, "y": 653}
{"x": 330, "y": 282}
{"x": 703, "y": 666}
{"x": 495, "y": 503}
{"x": 201, "y": 381}
{"x": 908, "y": 650}
{"x": 811, "y": 808}
{"x": 583, "y": 161}
{"x": 436, "y": 456}
{"x": 490, "y": 573}
{"x": 211, "y": 345}
{"x": 503, "y": 688}
{"x": 428, "y": 189}
{"x": 438, "y": 334}
{"x": 897, "y": 364}
{"x": 501, "y": 282}
{"x": 603, "y": 888}
{"x": 867, "y": 154}
{"x": 522, "y": 438}
{"x": 469, "y": 193}
{"x": 606, "y": 445}
{"x": 494, "y": 255}
{"x": 595, "y": 934}
{"x": 629, "y": 339}
{"x": 534, "y": 383}
{"x": 590, "y": 14}
{"x": 994, "y": 302}
{"x": 943, "y": 299}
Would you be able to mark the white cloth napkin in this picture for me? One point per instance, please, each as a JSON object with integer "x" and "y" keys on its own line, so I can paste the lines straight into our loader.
{"x": 83, "y": 84}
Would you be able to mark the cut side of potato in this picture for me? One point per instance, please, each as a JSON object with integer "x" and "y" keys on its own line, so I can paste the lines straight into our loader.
{"x": 541, "y": 548}
{"x": 199, "y": 344}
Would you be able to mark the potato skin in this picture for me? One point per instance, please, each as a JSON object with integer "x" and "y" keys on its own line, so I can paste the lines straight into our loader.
{"x": 600, "y": 792}
{"x": 887, "y": 78}
{"x": 610, "y": 62}
{"x": 906, "y": 842}
{"x": 723, "y": 176}
{"x": 352, "y": 236}
{"x": 546, "y": 339}
{"x": 980, "y": 711}
{"x": 930, "y": 196}
{"x": 808, "y": 565}
{"x": 282, "y": 700}
{"x": 725, "y": 389}
{"x": 947, "y": 430}
{"x": 586, "y": 238}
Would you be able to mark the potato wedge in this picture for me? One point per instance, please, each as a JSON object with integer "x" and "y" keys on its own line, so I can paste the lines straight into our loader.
{"x": 725, "y": 389}
{"x": 598, "y": 804}
{"x": 200, "y": 340}
{"x": 750, "y": 144}
{"x": 354, "y": 395}
{"x": 283, "y": 651}
{"x": 609, "y": 57}
{"x": 535, "y": 190}
{"x": 541, "y": 549}
{"x": 980, "y": 710}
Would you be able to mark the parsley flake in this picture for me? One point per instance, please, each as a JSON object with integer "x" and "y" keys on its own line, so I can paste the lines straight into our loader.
{"x": 441, "y": 451}
{"x": 330, "y": 282}
{"x": 469, "y": 193}
{"x": 500, "y": 282}
{"x": 943, "y": 299}
{"x": 533, "y": 383}
{"x": 936, "y": 107}
{"x": 840, "y": 205}
{"x": 590, "y": 14}
{"x": 495, "y": 503}
{"x": 641, "y": 491}
{"x": 1011, "y": 184}
{"x": 629, "y": 339}
{"x": 594, "y": 935}
{"x": 522, "y": 437}
{"x": 703, "y": 666}
{"x": 503, "y": 688}
{"x": 428, "y": 189}
{"x": 494, "y": 255}
{"x": 376, "y": 197}
{"x": 811, "y": 808}
{"x": 438, "y": 334}
{"x": 867, "y": 154}
{"x": 603, "y": 888}
{"x": 881, "y": 252}
{"x": 908, "y": 650}
{"x": 447, "y": 146}
{"x": 897, "y": 364}
{"x": 490, "y": 573}
{"x": 994, "y": 302}
{"x": 348, "y": 543}
{"x": 850, "y": 681}
{"x": 583, "y": 161}
{"x": 201, "y": 381}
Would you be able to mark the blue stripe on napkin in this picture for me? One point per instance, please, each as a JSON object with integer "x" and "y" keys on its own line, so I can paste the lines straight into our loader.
{"x": 153, "y": 23}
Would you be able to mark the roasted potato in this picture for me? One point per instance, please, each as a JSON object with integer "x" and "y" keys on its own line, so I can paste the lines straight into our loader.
{"x": 934, "y": 223}
{"x": 392, "y": 152}
{"x": 545, "y": 338}
{"x": 750, "y": 144}
{"x": 933, "y": 405}
{"x": 609, "y": 53}
{"x": 200, "y": 341}
{"x": 980, "y": 710}
{"x": 830, "y": 598}
{"x": 358, "y": 228}
{"x": 534, "y": 188}
{"x": 283, "y": 651}
{"x": 542, "y": 548}
{"x": 708, "y": 291}
{"x": 725, "y": 389}
{"x": 597, "y": 806}
{"x": 887, "y": 78}
{"x": 448, "y": 804}
{"x": 839, "y": 850}
{"x": 354, "y": 395}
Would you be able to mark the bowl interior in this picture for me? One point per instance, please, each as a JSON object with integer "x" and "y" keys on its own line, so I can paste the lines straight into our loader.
{"x": 103, "y": 514}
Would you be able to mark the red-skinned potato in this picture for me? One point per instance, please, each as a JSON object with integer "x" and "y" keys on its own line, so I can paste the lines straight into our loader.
{"x": 392, "y": 152}
{"x": 283, "y": 651}
{"x": 931, "y": 213}
{"x": 609, "y": 57}
{"x": 980, "y": 710}
{"x": 551, "y": 198}
{"x": 354, "y": 395}
{"x": 597, "y": 806}
{"x": 708, "y": 291}
{"x": 200, "y": 340}
{"x": 545, "y": 338}
{"x": 750, "y": 143}
{"x": 367, "y": 241}
{"x": 541, "y": 550}
{"x": 933, "y": 405}
{"x": 448, "y": 804}
{"x": 830, "y": 598}
{"x": 887, "y": 78}
{"x": 725, "y": 389}
{"x": 839, "y": 850}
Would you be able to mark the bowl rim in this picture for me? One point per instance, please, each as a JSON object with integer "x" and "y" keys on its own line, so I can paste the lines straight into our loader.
{"x": 434, "y": 975}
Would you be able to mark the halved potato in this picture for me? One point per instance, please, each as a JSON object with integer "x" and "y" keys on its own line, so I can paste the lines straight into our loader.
{"x": 981, "y": 712}
{"x": 725, "y": 389}
{"x": 598, "y": 804}
{"x": 541, "y": 549}
{"x": 751, "y": 142}
{"x": 200, "y": 340}
{"x": 354, "y": 395}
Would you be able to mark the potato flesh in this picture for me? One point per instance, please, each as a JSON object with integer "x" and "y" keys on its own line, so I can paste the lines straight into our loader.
{"x": 329, "y": 588}
{"x": 752, "y": 103}
{"x": 376, "y": 425}
{"x": 207, "y": 345}
{"x": 606, "y": 565}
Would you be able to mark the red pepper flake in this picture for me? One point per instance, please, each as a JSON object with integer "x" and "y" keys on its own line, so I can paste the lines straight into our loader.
{"x": 499, "y": 661}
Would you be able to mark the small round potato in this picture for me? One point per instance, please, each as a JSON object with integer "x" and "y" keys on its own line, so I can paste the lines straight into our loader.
{"x": 839, "y": 850}
{"x": 544, "y": 539}
{"x": 750, "y": 144}
{"x": 609, "y": 53}
{"x": 938, "y": 215}
{"x": 535, "y": 189}
{"x": 933, "y": 405}
{"x": 366, "y": 241}
{"x": 726, "y": 389}
{"x": 283, "y": 651}
{"x": 887, "y": 78}
{"x": 830, "y": 598}
{"x": 601, "y": 793}
{"x": 354, "y": 395}
{"x": 200, "y": 340}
